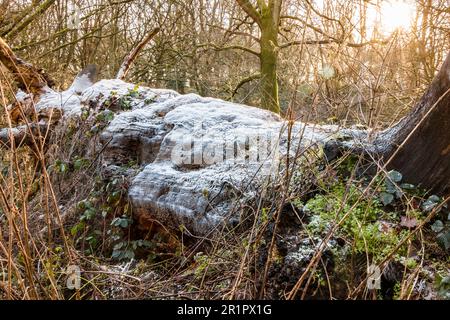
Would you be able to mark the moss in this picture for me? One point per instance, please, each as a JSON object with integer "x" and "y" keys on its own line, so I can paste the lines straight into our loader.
{"x": 361, "y": 227}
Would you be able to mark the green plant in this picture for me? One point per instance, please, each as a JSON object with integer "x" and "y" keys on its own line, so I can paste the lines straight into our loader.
{"x": 443, "y": 286}
{"x": 125, "y": 250}
{"x": 361, "y": 226}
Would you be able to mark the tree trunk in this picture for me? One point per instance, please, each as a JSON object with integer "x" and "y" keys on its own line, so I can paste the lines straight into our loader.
{"x": 268, "y": 64}
{"x": 28, "y": 78}
{"x": 421, "y": 145}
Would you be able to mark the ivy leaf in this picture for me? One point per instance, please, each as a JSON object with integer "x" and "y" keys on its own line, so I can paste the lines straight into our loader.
{"x": 116, "y": 254}
{"x": 428, "y": 206}
{"x": 386, "y": 198}
{"x": 115, "y": 222}
{"x": 109, "y": 115}
{"x": 124, "y": 223}
{"x": 390, "y": 187}
{"x": 89, "y": 214}
{"x": 76, "y": 228}
{"x": 407, "y": 186}
{"x": 63, "y": 167}
{"x": 430, "y": 203}
{"x": 146, "y": 243}
{"x": 395, "y": 176}
{"x": 434, "y": 198}
{"x": 129, "y": 254}
{"x": 444, "y": 240}
{"x": 119, "y": 246}
{"x": 437, "y": 226}
{"x": 398, "y": 193}
{"x": 78, "y": 164}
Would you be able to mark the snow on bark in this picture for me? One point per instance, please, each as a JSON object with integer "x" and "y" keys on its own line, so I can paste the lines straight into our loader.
{"x": 199, "y": 157}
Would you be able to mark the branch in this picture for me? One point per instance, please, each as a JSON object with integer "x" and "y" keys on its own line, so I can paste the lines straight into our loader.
{"x": 324, "y": 16}
{"x": 9, "y": 25}
{"x": 25, "y": 22}
{"x": 29, "y": 78}
{"x": 88, "y": 35}
{"x": 329, "y": 41}
{"x": 244, "y": 81}
{"x": 36, "y": 43}
{"x": 231, "y": 47}
{"x": 121, "y": 74}
{"x": 235, "y": 32}
{"x": 308, "y": 25}
{"x": 250, "y": 10}
{"x": 275, "y": 7}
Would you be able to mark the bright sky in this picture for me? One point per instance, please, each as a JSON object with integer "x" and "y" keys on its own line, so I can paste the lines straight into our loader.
{"x": 393, "y": 15}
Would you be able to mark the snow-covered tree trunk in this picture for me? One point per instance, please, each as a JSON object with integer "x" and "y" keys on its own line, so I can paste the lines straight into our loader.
{"x": 196, "y": 154}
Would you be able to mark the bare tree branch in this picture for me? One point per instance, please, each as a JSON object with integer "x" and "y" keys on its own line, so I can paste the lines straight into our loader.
{"x": 330, "y": 41}
{"x": 244, "y": 81}
{"x": 128, "y": 61}
{"x": 324, "y": 16}
{"x": 235, "y": 32}
{"x": 25, "y": 22}
{"x": 250, "y": 10}
{"x": 318, "y": 30}
{"x": 231, "y": 47}
{"x": 9, "y": 24}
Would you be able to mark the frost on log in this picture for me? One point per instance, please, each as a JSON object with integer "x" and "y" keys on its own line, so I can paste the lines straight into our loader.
{"x": 418, "y": 146}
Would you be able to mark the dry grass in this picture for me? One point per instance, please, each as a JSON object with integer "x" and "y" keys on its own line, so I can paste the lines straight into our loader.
{"x": 41, "y": 192}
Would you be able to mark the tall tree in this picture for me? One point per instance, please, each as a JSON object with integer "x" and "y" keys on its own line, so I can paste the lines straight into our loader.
{"x": 267, "y": 16}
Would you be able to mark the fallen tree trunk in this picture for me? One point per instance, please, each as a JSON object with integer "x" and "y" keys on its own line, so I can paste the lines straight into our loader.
{"x": 22, "y": 135}
{"x": 420, "y": 145}
{"x": 183, "y": 143}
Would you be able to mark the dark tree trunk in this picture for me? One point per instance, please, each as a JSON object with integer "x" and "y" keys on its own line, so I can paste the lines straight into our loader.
{"x": 421, "y": 146}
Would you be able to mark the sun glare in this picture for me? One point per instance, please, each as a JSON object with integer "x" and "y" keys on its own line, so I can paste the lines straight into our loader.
{"x": 396, "y": 15}
{"x": 391, "y": 15}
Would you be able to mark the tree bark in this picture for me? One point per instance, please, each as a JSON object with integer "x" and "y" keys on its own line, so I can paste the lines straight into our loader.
{"x": 267, "y": 17}
{"x": 421, "y": 144}
{"x": 268, "y": 63}
{"x": 28, "y": 78}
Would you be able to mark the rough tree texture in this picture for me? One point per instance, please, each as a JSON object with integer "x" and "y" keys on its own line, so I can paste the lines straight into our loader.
{"x": 171, "y": 186}
{"x": 424, "y": 157}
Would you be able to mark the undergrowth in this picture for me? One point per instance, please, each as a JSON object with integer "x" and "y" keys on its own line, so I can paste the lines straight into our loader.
{"x": 312, "y": 233}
